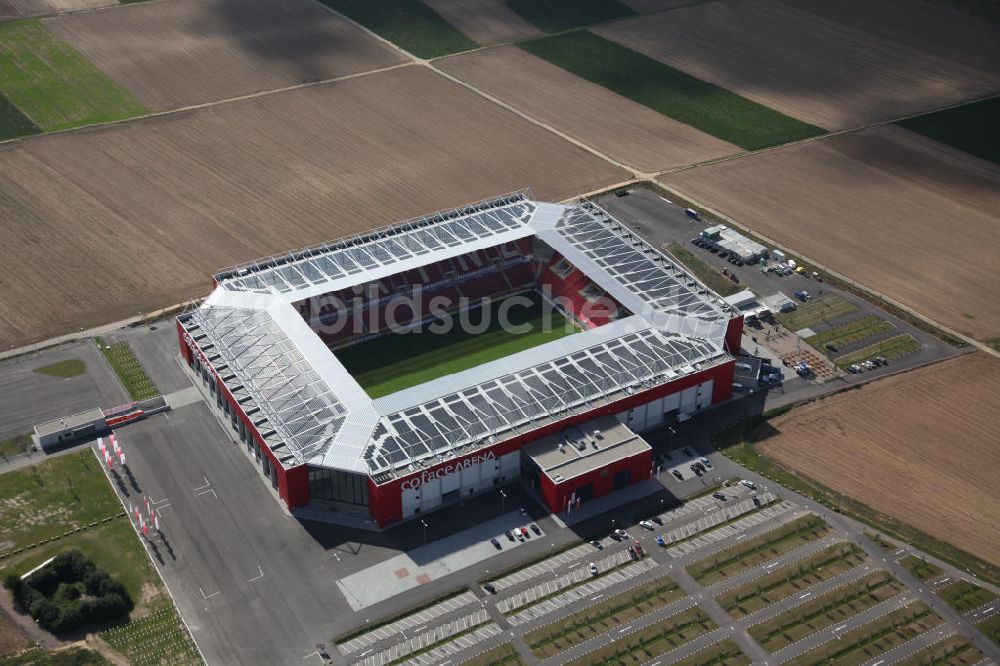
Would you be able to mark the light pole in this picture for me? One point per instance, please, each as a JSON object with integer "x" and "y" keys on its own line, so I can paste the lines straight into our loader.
{"x": 672, "y": 433}
{"x": 503, "y": 502}
{"x": 422, "y": 522}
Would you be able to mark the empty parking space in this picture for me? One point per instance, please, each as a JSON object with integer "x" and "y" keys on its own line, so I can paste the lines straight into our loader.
{"x": 418, "y": 619}
{"x": 730, "y": 531}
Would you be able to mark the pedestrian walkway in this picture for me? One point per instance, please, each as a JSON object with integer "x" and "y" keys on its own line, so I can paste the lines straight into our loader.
{"x": 412, "y": 621}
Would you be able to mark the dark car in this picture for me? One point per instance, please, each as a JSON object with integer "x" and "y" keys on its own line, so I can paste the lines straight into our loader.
{"x": 677, "y": 474}
{"x": 720, "y": 496}
{"x": 597, "y": 544}
{"x": 536, "y": 529}
{"x": 509, "y": 535}
{"x": 832, "y": 347}
{"x": 489, "y": 588}
{"x": 615, "y": 536}
{"x": 756, "y": 501}
{"x": 698, "y": 472}
{"x": 496, "y": 544}
{"x": 657, "y": 520}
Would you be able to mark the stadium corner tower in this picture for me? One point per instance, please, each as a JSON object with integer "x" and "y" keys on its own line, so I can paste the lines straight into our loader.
{"x": 560, "y": 414}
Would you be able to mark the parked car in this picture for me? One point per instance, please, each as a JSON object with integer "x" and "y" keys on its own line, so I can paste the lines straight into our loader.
{"x": 631, "y": 553}
{"x": 720, "y": 496}
{"x": 520, "y": 537}
{"x": 489, "y": 587}
{"x": 536, "y": 529}
{"x": 756, "y": 500}
{"x": 832, "y": 347}
{"x": 597, "y": 544}
{"x": 509, "y": 535}
{"x": 638, "y": 548}
{"x": 622, "y": 534}
{"x": 496, "y": 544}
{"x": 647, "y": 524}
{"x": 695, "y": 469}
{"x": 660, "y": 540}
{"x": 677, "y": 474}
{"x": 525, "y": 533}
{"x": 706, "y": 462}
{"x": 593, "y": 569}
{"x": 657, "y": 520}
{"x": 748, "y": 483}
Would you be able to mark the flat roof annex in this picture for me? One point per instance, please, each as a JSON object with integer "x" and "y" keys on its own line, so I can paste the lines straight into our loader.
{"x": 309, "y": 409}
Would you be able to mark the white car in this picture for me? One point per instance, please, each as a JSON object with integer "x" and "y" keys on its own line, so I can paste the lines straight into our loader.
{"x": 749, "y": 484}
{"x": 706, "y": 463}
{"x": 593, "y": 569}
{"x": 648, "y": 525}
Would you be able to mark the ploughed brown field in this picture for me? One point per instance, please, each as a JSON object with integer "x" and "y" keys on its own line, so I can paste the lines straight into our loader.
{"x": 13, "y": 9}
{"x": 104, "y": 223}
{"x": 832, "y": 63}
{"x": 618, "y": 127}
{"x": 185, "y": 52}
{"x": 904, "y": 215}
{"x": 485, "y": 21}
{"x": 923, "y": 447}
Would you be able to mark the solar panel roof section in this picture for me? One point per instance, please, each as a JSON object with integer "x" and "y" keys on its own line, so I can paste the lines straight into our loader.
{"x": 640, "y": 359}
{"x": 346, "y": 263}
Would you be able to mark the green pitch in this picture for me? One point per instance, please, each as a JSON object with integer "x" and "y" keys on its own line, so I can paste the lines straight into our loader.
{"x": 397, "y": 361}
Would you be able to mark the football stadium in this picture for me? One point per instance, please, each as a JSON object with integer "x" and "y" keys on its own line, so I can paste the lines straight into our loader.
{"x": 385, "y": 375}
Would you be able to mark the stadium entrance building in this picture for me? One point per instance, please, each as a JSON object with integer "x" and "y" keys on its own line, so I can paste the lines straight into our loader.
{"x": 651, "y": 343}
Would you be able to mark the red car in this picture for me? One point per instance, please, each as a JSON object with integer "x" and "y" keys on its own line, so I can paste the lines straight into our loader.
{"x": 524, "y": 531}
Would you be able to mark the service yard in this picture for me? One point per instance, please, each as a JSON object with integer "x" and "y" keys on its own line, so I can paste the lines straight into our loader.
{"x": 238, "y": 48}
{"x": 821, "y": 64}
{"x": 921, "y": 447}
{"x": 618, "y": 127}
{"x": 165, "y": 202}
{"x": 872, "y": 206}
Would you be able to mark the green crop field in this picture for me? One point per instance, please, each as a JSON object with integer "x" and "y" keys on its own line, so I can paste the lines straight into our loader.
{"x": 53, "y": 84}
{"x": 13, "y": 123}
{"x": 824, "y": 308}
{"x": 409, "y": 24}
{"x": 851, "y": 332}
{"x": 673, "y": 93}
{"x": 393, "y": 362}
{"x": 972, "y": 128}
{"x": 559, "y": 15}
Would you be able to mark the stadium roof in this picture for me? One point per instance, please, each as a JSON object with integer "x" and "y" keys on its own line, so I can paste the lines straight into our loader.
{"x": 309, "y": 409}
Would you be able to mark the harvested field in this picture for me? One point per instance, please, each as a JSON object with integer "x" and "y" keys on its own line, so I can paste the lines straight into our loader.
{"x": 823, "y": 67}
{"x": 929, "y": 445}
{"x": 485, "y": 21}
{"x": 620, "y": 128}
{"x": 184, "y": 52}
{"x": 559, "y": 15}
{"x": 150, "y": 209}
{"x": 12, "y": 9}
{"x": 875, "y": 207}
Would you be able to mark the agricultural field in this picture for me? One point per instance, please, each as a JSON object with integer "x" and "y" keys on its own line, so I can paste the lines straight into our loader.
{"x": 919, "y": 447}
{"x": 391, "y": 363}
{"x": 626, "y": 131}
{"x": 52, "y": 84}
{"x": 970, "y": 128}
{"x": 409, "y": 24}
{"x": 167, "y": 201}
{"x": 869, "y": 206}
{"x": 822, "y": 65}
{"x": 13, "y": 9}
{"x": 239, "y": 48}
{"x": 670, "y": 91}
{"x": 484, "y": 21}
{"x": 13, "y": 123}
{"x": 816, "y": 310}
{"x": 560, "y": 15}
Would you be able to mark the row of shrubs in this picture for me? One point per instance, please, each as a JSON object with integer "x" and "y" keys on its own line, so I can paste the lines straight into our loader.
{"x": 68, "y": 593}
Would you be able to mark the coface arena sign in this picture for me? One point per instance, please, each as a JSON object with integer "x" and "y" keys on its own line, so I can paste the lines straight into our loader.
{"x": 433, "y": 474}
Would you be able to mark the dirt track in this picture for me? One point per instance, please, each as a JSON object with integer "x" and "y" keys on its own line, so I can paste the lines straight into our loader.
{"x": 184, "y": 52}
{"x": 923, "y": 447}
{"x": 104, "y": 223}
{"x": 485, "y": 21}
{"x": 902, "y": 214}
{"x": 830, "y": 72}
{"x": 625, "y": 130}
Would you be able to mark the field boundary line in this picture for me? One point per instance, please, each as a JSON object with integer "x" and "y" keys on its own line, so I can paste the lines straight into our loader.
{"x": 982, "y": 346}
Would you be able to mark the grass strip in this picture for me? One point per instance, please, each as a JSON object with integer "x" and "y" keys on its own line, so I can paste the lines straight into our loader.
{"x": 953, "y": 651}
{"x": 159, "y": 633}
{"x": 396, "y": 361}
{"x": 13, "y": 123}
{"x": 610, "y": 614}
{"x": 971, "y": 128}
{"x": 990, "y": 628}
{"x": 361, "y": 631}
{"x": 651, "y": 641}
{"x": 823, "y": 308}
{"x": 786, "y": 581}
{"x": 726, "y": 653}
{"x": 737, "y": 444}
{"x": 72, "y": 367}
{"x": 409, "y": 24}
{"x": 753, "y": 552}
{"x": 893, "y": 348}
{"x": 66, "y": 656}
{"x": 821, "y": 612}
{"x": 875, "y": 638}
{"x": 559, "y": 15}
{"x": 134, "y": 379}
{"x": 436, "y": 644}
{"x": 54, "y": 85}
{"x": 503, "y": 655}
{"x": 15, "y": 446}
{"x": 669, "y": 91}
{"x": 851, "y": 332}
{"x": 963, "y": 595}
{"x": 921, "y": 569}
{"x": 710, "y": 277}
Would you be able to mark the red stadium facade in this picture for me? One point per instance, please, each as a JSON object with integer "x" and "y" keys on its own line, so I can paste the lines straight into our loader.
{"x": 324, "y": 447}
